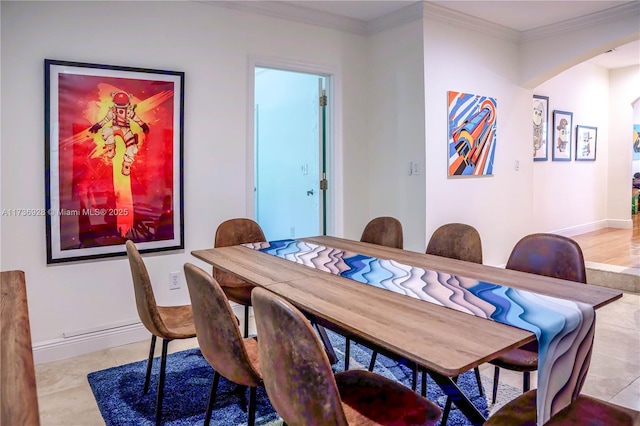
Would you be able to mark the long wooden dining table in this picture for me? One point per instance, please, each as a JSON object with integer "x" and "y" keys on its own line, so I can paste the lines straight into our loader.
{"x": 444, "y": 341}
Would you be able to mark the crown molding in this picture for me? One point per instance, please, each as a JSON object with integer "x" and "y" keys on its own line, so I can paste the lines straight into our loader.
{"x": 400, "y": 17}
{"x": 624, "y": 11}
{"x": 442, "y": 14}
{"x": 285, "y": 10}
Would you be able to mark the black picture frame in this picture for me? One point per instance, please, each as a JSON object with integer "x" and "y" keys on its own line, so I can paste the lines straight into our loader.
{"x": 586, "y": 143}
{"x": 113, "y": 160}
{"x": 540, "y": 128}
{"x": 562, "y": 128}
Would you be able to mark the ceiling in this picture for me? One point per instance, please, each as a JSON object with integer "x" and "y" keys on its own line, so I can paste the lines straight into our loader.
{"x": 520, "y": 16}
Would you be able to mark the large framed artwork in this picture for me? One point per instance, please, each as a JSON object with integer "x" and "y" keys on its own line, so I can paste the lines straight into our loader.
{"x": 562, "y": 125}
{"x": 540, "y": 128}
{"x": 113, "y": 160}
{"x": 471, "y": 134}
{"x": 586, "y": 140}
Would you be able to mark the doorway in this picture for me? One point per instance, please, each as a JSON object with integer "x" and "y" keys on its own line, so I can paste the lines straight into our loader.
{"x": 289, "y": 153}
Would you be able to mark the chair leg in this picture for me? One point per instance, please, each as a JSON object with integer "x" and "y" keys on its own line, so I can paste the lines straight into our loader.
{"x": 246, "y": 321}
{"x": 372, "y": 364}
{"x": 163, "y": 368}
{"x": 423, "y": 385}
{"x": 479, "y": 380}
{"x": 496, "y": 377}
{"x": 252, "y": 406}
{"x": 347, "y": 353}
{"x": 147, "y": 379}
{"x": 447, "y": 407}
{"x": 414, "y": 376}
{"x": 212, "y": 398}
{"x": 526, "y": 381}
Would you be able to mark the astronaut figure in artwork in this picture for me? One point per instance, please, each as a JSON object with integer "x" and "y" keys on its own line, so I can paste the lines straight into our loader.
{"x": 120, "y": 114}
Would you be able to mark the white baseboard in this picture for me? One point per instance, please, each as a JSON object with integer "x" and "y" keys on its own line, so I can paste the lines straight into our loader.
{"x": 623, "y": 224}
{"x": 582, "y": 229}
{"x": 62, "y": 348}
{"x": 100, "y": 339}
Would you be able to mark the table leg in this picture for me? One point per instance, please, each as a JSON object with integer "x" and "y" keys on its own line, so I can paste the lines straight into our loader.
{"x": 451, "y": 389}
{"x": 327, "y": 344}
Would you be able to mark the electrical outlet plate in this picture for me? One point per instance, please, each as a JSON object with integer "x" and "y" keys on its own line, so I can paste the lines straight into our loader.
{"x": 174, "y": 280}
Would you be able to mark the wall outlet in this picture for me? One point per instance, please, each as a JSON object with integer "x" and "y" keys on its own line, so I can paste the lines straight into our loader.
{"x": 174, "y": 280}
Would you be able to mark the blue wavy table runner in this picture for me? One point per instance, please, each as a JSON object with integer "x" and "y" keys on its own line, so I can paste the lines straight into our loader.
{"x": 564, "y": 328}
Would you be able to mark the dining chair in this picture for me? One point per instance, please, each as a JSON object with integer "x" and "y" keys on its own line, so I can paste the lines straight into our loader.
{"x": 167, "y": 322}
{"x": 462, "y": 242}
{"x": 303, "y": 388}
{"x": 545, "y": 254}
{"x": 233, "y": 232}
{"x": 221, "y": 343}
{"x": 584, "y": 410}
{"x": 383, "y": 231}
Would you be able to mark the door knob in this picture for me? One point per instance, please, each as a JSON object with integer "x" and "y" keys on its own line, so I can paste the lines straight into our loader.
{"x": 310, "y": 192}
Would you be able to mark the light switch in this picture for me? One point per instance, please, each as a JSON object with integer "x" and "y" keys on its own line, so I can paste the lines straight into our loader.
{"x": 416, "y": 168}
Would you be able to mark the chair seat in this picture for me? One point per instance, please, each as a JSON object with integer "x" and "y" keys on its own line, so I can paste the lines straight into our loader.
{"x": 251, "y": 345}
{"x": 178, "y": 320}
{"x": 584, "y": 411}
{"x": 370, "y": 399}
{"x": 518, "y": 360}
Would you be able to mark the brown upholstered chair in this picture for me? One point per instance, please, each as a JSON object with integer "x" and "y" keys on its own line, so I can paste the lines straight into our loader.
{"x": 383, "y": 231}
{"x": 166, "y": 322}
{"x": 302, "y": 387}
{"x": 550, "y": 255}
{"x": 231, "y": 233}
{"x": 222, "y": 345}
{"x": 585, "y": 410}
{"x": 456, "y": 241}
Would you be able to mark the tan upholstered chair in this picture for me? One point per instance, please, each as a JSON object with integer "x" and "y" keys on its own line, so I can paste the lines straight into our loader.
{"x": 231, "y": 233}
{"x": 550, "y": 255}
{"x": 222, "y": 345}
{"x": 302, "y": 387}
{"x": 585, "y": 410}
{"x": 166, "y": 322}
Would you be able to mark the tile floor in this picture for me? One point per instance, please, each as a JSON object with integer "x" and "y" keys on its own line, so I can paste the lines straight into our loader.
{"x": 65, "y": 398}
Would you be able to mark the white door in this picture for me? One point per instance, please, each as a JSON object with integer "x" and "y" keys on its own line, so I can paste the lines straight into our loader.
{"x": 288, "y": 153}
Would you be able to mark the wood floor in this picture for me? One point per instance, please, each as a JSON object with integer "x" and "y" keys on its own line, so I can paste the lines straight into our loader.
{"x": 614, "y": 246}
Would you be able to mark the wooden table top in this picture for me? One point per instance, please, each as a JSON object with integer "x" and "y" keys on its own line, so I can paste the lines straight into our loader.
{"x": 18, "y": 396}
{"x": 442, "y": 339}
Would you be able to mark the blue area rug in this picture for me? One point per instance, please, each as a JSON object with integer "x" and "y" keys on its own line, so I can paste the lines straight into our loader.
{"x": 118, "y": 391}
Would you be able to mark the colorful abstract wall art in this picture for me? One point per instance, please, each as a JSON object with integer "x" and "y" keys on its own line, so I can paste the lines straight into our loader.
{"x": 636, "y": 142}
{"x": 472, "y": 134}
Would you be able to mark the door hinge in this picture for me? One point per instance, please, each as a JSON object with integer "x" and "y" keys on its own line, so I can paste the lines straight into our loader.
{"x": 323, "y": 99}
{"x": 324, "y": 185}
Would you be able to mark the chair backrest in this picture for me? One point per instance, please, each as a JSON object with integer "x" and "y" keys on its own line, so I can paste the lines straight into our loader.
{"x": 217, "y": 330}
{"x": 550, "y": 255}
{"x": 145, "y": 300}
{"x": 296, "y": 371}
{"x": 456, "y": 241}
{"x": 231, "y": 233}
{"x": 383, "y": 231}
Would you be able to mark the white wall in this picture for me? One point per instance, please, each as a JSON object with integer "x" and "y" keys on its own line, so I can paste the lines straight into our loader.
{"x": 498, "y": 206}
{"x": 212, "y": 46}
{"x": 571, "y": 193}
{"x": 396, "y": 130}
{"x": 624, "y": 89}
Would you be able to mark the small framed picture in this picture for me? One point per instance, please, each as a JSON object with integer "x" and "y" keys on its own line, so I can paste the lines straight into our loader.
{"x": 562, "y": 125}
{"x": 540, "y": 128}
{"x": 586, "y": 138}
